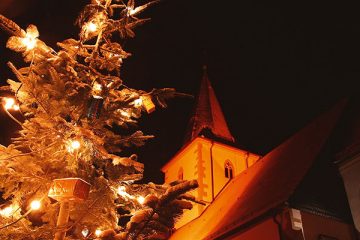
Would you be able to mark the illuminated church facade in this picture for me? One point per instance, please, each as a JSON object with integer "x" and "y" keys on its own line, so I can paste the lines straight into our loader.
{"x": 243, "y": 195}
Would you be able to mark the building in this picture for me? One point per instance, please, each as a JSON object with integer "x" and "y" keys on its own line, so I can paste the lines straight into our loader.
{"x": 248, "y": 197}
{"x": 348, "y": 157}
{"x": 209, "y": 154}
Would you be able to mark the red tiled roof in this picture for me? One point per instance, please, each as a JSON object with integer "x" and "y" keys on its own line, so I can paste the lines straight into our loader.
{"x": 266, "y": 184}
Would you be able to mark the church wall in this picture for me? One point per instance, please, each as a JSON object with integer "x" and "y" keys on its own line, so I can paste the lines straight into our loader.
{"x": 239, "y": 159}
{"x": 195, "y": 163}
{"x": 193, "y": 160}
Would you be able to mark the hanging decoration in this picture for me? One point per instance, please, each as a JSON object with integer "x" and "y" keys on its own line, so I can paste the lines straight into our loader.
{"x": 67, "y": 190}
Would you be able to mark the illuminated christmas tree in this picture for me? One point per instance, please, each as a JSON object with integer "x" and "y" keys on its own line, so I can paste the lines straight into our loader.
{"x": 63, "y": 176}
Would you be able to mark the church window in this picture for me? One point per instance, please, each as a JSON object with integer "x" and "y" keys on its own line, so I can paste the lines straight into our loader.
{"x": 181, "y": 174}
{"x": 229, "y": 170}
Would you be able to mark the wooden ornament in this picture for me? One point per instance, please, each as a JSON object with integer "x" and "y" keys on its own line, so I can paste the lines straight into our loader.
{"x": 69, "y": 189}
{"x": 65, "y": 190}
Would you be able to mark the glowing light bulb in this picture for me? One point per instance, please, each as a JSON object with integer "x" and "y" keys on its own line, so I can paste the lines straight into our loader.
{"x": 16, "y": 107}
{"x": 121, "y": 191}
{"x": 98, "y": 232}
{"x": 35, "y": 205}
{"x": 141, "y": 199}
{"x": 97, "y": 87}
{"x": 7, "y": 212}
{"x": 73, "y": 145}
{"x": 9, "y": 103}
{"x": 29, "y": 41}
{"x": 138, "y": 102}
{"x": 85, "y": 232}
{"x": 131, "y": 11}
{"x": 125, "y": 113}
{"x": 91, "y": 27}
{"x": 96, "y": 90}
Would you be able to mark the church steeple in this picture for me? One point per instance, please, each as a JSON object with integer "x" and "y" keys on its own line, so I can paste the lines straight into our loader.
{"x": 208, "y": 115}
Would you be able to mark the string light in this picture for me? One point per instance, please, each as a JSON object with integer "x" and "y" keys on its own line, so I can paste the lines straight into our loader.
{"x": 85, "y": 232}
{"x": 131, "y": 11}
{"x": 91, "y": 27}
{"x": 121, "y": 191}
{"x": 29, "y": 41}
{"x": 73, "y": 145}
{"x": 9, "y": 103}
{"x": 97, "y": 87}
{"x": 138, "y": 102}
{"x": 96, "y": 90}
{"x": 124, "y": 113}
{"x": 7, "y": 212}
{"x": 16, "y": 107}
{"x": 35, "y": 205}
{"x": 96, "y": 23}
{"x": 140, "y": 199}
{"x": 98, "y": 232}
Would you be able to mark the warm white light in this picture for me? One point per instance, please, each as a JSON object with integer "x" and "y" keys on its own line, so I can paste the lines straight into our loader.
{"x": 9, "y": 103}
{"x": 125, "y": 113}
{"x": 98, "y": 232}
{"x": 7, "y": 212}
{"x": 35, "y": 205}
{"x": 91, "y": 27}
{"x": 96, "y": 90}
{"x": 29, "y": 41}
{"x": 85, "y": 232}
{"x": 97, "y": 87}
{"x": 131, "y": 11}
{"x": 16, "y": 107}
{"x": 121, "y": 191}
{"x": 141, "y": 199}
{"x": 75, "y": 144}
{"x": 138, "y": 102}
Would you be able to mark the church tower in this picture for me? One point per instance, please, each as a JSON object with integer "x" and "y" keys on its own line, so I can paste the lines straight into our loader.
{"x": 208, "y": 154}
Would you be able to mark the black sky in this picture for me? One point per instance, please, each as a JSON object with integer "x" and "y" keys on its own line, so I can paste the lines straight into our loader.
{"x": 273, "y": 66}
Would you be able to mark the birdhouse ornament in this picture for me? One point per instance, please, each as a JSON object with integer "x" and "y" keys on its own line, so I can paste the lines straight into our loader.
{"x": 65, "y": 190}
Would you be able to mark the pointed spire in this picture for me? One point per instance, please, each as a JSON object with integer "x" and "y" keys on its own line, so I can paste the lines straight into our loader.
{"x": 208, "y": 115}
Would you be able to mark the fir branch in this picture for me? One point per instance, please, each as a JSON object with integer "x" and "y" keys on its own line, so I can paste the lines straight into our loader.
{"x": 11, "y": 27}
{"x": 29, "y": 153}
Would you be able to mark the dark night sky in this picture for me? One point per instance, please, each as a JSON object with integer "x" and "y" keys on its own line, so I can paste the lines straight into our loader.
{"x": 273, "y": 66}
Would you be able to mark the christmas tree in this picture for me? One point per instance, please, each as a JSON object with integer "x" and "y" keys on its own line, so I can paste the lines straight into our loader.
{"x": 63, "y": 175}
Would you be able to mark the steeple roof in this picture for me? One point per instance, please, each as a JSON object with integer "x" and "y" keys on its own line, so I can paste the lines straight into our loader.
{"x": 208, "y": 115}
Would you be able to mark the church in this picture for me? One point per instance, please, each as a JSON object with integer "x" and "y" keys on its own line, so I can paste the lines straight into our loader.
{"x": 245, "y": 196}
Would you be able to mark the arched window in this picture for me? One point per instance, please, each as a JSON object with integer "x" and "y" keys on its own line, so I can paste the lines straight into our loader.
{"x": 181, "y": 174}
{"x": 229, "y": 170}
